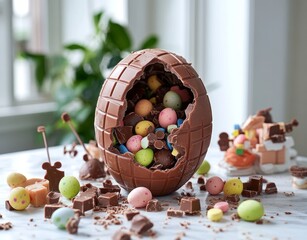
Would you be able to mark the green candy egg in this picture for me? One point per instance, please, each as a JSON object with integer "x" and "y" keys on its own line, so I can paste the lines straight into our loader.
{"x": 250, "y": 210}
{"x": 172, "y": 100}
{"x": 69, "y": 186}
{"x": 144, "y": 157}
{"x": 203, "y": 168}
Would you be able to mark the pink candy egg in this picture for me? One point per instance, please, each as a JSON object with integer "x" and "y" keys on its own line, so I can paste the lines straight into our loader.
{"x": 224, "y": 206}
{"x": 139, "y": 197}
{"x": 214, "y": 185}
{"x": 167, "y": 117}
{"x": 134, "y": 143}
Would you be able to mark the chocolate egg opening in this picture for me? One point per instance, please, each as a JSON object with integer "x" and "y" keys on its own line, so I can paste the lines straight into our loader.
{"x": 151, "y": 74}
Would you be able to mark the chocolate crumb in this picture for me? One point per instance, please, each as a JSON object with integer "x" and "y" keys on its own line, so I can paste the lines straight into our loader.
{"x": 289, "y": 194}
{"x": 6, "y": 226}
{"x": 288, "y": 213}
{"x": 201, "y": 180}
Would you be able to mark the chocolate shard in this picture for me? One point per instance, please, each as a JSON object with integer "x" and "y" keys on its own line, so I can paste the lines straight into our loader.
{"x": 53, "y": 197}
{"x": 132, "y": 119}
{"x": 202, "y": 187}
{"x": 270, "y": 188}
{"x": 249, "y": 193}
{"x": 174, "y": 212}
{"x": 123, "y": 133}
{"x": 130, "y": 214}
{"x": 109, "y": 187}
{"x": 8, "y": 206}
{"x": 93, "y": 168}
{"x": 121, "y": 235}
{"x": 72, "y": 225}
{"x": 254, "y": 184}
{"x": 84, "y": 203}
{"x": 190, "y": 205}
{"x": 140, "y": 224}
{"x": 165, "y": 158}
{"x": 200, "y": 180}
{"x": 154, "y": 206}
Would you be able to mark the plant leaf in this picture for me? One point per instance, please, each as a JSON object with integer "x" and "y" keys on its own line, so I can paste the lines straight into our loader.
{"x": 114, "y": 60}
{"x": 119, "y": 36}
{"x": 76, "y": 46}
{"x": 96, "y": 20}
{"x": 150, "y": 42}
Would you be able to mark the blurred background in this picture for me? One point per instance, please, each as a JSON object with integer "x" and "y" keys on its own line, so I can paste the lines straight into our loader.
{"x": 55, "y": 54}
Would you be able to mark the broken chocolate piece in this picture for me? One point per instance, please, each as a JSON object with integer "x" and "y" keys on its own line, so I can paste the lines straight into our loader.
{"x": 132, "y": 119}
{"x": 8, "y": 206}
{"x": 123, "y": 133}
{"x": 130, "y": 214}
{"x": 154, "y": 206}
{"x": 201, "y": 180}
{"x": 50, "y": 209}
{"x": 108, "y": 199}
{"x": 109, "y": 187}
{"x": 93, "y": 168}
{"x": 270, "y": 188}
{"x": 189, "y": 185}
{"x": 84, "y": 203}
{"x": 233, "y": 198}
{"x": 190, "y": 205}
{"x": 254, "y": 184}
{"x": 72, "y": 225}
{"x": 202, "y": 187}
{"x": 174, "y": 212}
{"x": 165, "y": 158}
{"x": 249, "y": 193}
{"x": 140, "y": 224}
{"x": 121, "y": 235}
{"x": 53, "y": 197}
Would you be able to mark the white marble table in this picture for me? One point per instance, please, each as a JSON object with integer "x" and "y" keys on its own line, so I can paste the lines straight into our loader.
{"x": 285, "y": 216}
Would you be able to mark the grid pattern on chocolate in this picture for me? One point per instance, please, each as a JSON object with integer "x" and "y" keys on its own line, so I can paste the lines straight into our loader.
{"x": 195, "y": 133}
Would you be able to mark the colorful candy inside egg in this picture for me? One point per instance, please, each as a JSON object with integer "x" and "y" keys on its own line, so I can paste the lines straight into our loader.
{"x": 15, "y": 179}
{"x": 19, "y": 198}
{"x": 233, "y": 186}
{"x": 139, "y": 197}
{"x": 167, "y": 117}
{"x": 134, "y": 143}
{"x": 143, "y": 107}
{"x": 69, "y": 187}
{"x": 144, "y": 127}
{"x": 61, "y": 216}
{"x": 154, "y": 83}
{"x": 172, "y": 100}
{"x": 144, "y": 157}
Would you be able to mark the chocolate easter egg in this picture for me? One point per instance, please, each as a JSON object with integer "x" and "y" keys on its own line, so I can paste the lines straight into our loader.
{"x": 128, "y": 84}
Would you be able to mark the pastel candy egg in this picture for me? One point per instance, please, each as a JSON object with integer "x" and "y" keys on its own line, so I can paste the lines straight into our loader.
{"x": 224, "y": 206}
{"x": 233, "y": 186}
{"x": 69, "y": 186}
{"x": 154, "y": 82}
{"x": 15, "y": 179}
{"x": 144, "y": 157}
{"x": 215, "y": 214}
{"x": 203, "y": 168}
{"x": 139, "y": 197}
{"x": 172, "y": 100}
{"x": 144, "y": 127}
{"x": 122, "y": 149}
{"x": 19, "y": 198}
{"x": 134, "y": 143}
{"x": 250, "y": 210}
{"x": 61, "y": 216}
{"x": 183, "y": 93}
{"x": 214, "y": 185}
{"x": 167, "y": 117}
{"x": 143, "y": 107}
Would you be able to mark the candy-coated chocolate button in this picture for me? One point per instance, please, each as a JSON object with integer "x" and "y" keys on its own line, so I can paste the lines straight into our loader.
{"x": 233, "y": 186}
{"x": 214, "y": 185}
{"x": 143, "y": 107}
{"x": 215, "y": 214}
{"x": 167, "y": 117}
{"x": 139, "y": 197}
{"x": 134, "y": 143}
{"x": 224, "y": 206}
{"x": 250, "y": 210}
{"x": 69, "y": 186}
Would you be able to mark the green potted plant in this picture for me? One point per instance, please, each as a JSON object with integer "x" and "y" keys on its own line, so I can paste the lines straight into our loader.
{"x": 76, "y": 86}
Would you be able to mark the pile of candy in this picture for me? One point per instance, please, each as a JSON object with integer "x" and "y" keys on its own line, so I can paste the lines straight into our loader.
{"x": 155, "y": 109}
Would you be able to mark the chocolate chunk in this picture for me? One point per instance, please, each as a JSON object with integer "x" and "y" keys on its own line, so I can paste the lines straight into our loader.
{"x": 201, "y": 180}
{"x": 121, "y": 235}
{"x": 140, "y": 224}
{"x": 233, "y": 198}
{"x": 8, "y": 206}
{"x": 6, "y": 226}
{"x": 165, "y": 158}
{"x": 93, "y": 168}
{"x": 123, "y": 133}
{"x": 174, "y": 212}
{"x": 254, "y": 184}
{"x": 154, "y": 206}
{"x": 270, "y": 188}
{"x": 202, "y": 187}
{"x": 72, "y": 225}
{"x": 132, "y": 119}
{"x": 53, "y": 197}
{"x": 130, "y": 214}
{"x": 190, "y": 205}
{"x": 108, "y": 199}
{"x": 160, "y": 135}
{"x": 249, "y": 193}
{"x": 299, "y": 172}
{"x": 84, "y": 203}
{"x": 109, "y": 187}
{"x": 50, "y": 209}
{"x": 53, "y": 175}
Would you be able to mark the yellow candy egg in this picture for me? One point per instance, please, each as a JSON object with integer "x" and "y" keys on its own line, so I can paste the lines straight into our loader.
{"x": 15, "y": 179}
{"x": 154, "y": 82}
{"x": 19, "y": 198}
{"x": 144, "y": 127}
{"x": 215, "y": 214}
{"x": 143, "y": 107}
{"x": 233, "y": 186}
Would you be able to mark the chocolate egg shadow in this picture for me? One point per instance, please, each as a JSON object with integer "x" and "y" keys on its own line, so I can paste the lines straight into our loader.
{"x": 191, "y": 139}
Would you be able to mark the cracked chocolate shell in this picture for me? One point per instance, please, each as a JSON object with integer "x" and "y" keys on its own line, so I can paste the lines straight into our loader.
{"x": 125, "y": 85}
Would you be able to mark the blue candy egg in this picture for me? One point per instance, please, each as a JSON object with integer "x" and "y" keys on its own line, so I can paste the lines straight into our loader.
{"x": 122, "y": 149}
{"x": 61, "y": 216}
